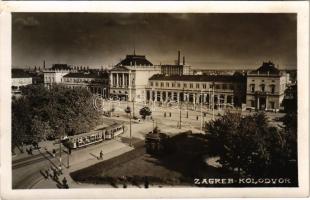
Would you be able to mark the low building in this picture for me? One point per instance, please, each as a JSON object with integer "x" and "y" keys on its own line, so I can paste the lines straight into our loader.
{"x": 222, "y": 89}
{"x": 129, "y": 78}
{"x": 177, "y": 68}
{"x": 20, "y": 78}
{"x": 55, "y": 73}
{"x": 265, "y": 87}
{"x": 97, "y": 82}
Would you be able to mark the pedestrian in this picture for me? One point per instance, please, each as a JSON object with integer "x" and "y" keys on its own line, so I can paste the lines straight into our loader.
{"x": 47, "y": 173}
{"x": 64, "y": 181}
{"x": 59, "y": 169}
{"x": 101, "y": 154}
{"x": 146, "y": 182}
{"x": 30, "y": 151}
{"x": 55, "y": 177}
{"x": 54, "y": 153}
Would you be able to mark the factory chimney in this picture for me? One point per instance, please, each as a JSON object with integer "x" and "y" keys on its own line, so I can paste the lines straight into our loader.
{"x": 179, "y": 55}
{"x": 184, "y": 60}
{"x": 43, "y": 64}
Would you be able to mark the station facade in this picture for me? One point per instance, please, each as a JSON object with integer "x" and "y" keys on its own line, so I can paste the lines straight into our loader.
{"x": 129, "y": 78}
{"x": 266, "y": 87}
{"x": 223, "y": 90}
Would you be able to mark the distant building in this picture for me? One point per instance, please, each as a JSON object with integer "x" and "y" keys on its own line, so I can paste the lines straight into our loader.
{"x": 223, "y": 89}
{"x": 129, "y": 78}
{"x": 177, "y": 69}
{"x": 55, "y": 73}
{"x": 265, "y": 87}
{"x": 97, "y": 82}
{"x": 20, "y": 78}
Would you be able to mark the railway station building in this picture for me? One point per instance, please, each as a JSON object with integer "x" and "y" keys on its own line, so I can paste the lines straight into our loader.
{"x": 265, "y": 87}
{"x": 129, "y": 78}
{"x": 224, "y": 90}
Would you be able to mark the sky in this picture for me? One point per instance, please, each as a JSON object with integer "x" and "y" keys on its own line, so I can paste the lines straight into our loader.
{"x": 208, "y": 41}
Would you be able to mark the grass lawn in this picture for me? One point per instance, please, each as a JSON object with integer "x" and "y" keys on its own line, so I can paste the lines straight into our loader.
{"x": 176, "y": 169}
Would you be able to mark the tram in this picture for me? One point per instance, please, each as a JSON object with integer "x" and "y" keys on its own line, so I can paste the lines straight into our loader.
{"x": 93, "y": 137}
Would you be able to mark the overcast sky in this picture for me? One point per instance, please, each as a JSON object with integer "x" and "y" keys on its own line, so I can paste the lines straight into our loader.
{"x": 102, "y": 39}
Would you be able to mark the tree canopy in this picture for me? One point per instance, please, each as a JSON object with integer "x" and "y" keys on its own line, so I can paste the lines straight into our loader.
{"x": 41, "y": 113}
{"x": 250, "y": 145}
{"x": 145, "y": 111}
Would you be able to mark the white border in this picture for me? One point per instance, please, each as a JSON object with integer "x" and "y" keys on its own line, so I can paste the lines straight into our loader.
{"x": 300, "y": 7}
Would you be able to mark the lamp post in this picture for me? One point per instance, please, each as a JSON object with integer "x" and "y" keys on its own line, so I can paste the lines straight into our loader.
{"x": 213, "y": 100}
{"x": 201, "y": 117}
{"x": 130, "y": 141}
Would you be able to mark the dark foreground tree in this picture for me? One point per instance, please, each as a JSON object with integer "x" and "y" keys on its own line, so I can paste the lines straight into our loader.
{"x": 249, "y": 145}
{"x": 145, "y": 111}
{"x": 42, "y": 114}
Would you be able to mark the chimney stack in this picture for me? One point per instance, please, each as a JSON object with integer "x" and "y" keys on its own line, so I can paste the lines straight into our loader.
{"x": 179, "y": 55}
{"x": 43, "y": 64}
{"x": 184, "y": 60}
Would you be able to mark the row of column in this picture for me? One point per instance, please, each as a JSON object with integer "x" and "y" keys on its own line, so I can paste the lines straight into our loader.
{"x": 120, "y": 80}
{"x": 191, "y": 97}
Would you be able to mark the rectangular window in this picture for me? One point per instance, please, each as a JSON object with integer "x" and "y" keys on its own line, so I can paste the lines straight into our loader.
{"x": 173, "y": 85}
{"x": 252, "y": 103}
{"x": 197, "y": 85}
{"x": 263, "y": 88}
{"x": 167, "y": 84}
{"x": 272, "y": 89}
{"x": 156, "y": 84}
{"x": 204, "y": 86}
{"x": 252, "y": 87}
{"x": 224, "y": 86}
{"x": 179, "y": 85}
{"x": 185, "y": 85}
{"x": 271, "y": 103}
{"x": 217, "y": 86}
{"x": 161, "y": 84}
{"x": 151, "y": 83}
{"x": 190, "y": 85}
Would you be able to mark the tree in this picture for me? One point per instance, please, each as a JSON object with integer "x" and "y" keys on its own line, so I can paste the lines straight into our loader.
{"x": 41, "y": 113}
{"x": 145, "y": 111}
{"x": 249, "y": 144}
{"x": 128, "y": 110}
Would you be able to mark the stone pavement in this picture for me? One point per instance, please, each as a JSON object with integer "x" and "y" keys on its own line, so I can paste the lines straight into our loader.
{"x": 83, "y": 158}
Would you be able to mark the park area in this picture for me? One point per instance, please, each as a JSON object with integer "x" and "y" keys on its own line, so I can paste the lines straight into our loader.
{"x": 140, "y": 169}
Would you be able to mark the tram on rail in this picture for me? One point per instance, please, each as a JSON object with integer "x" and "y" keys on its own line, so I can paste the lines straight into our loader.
{"x": 93, "y": 137}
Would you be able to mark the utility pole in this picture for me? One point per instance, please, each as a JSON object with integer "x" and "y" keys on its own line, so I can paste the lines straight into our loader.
{"x": 213, "y": 101}
{"x": 180, "y": 102}
{"x": 133, "y": 106}
{"x": 130, "y": 142}
{"x": 68, "y": 162}
{"x": 201, "y": 117}
{"x": 60, "y": 152}
{"x": 130, "y": 133}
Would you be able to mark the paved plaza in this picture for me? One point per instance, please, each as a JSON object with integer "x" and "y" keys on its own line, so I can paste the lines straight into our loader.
{"x": 29, "y": 170}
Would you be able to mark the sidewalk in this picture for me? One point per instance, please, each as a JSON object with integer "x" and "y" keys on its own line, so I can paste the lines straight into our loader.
{"x": 83, "y": 158}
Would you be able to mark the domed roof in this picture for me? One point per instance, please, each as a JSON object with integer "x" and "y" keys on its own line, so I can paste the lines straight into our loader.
{"x": 266, "y": 68}
{"x": 135, "y": 60}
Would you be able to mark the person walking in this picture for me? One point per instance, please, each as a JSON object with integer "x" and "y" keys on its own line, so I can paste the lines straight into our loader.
{"x": 64, "y": 183}
{"x": 47, "y": 174}
{"x": 101, "y": 155}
